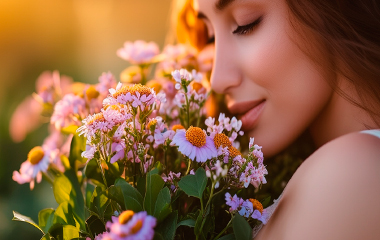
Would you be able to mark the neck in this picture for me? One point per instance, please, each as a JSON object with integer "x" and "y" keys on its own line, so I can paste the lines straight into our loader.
{"x": 339, "y": 117}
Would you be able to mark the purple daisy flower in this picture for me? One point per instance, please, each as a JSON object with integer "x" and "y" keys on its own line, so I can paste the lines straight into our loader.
{"x": 194, "y": 143}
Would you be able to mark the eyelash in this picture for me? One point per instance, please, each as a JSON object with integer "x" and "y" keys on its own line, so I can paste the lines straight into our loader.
{"x": 240, "y": 30}
{"x": 246, "y": 29}
{"x": 211, "y": 40}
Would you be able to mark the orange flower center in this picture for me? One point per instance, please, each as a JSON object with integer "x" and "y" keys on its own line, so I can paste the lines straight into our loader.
{"x": 152, "y": 122}
{"x": 142, "y": 89}
{"x": 91, "y": 93}
{"x": 196, "y": 136}
{"x": 125, "y": 216}
{"x": 123, "y": 90}
{"x": 233, "y": 151}
{"x": 156, "y": 85}
{"x": 137, "y": 227}
{"x": 197, "y": 86}
{"x": 257, "y": 205}
{"x": 97, "y": 118}
{"x": 77, "y": 88}
{"x": 222, "y": 140}
{"x": 177, "y": 126}
{"x": 35, "y": 155}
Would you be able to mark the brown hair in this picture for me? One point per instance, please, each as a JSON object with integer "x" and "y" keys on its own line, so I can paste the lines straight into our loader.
{"x": 186, "y": 26}
{"x": 350, "y": 33}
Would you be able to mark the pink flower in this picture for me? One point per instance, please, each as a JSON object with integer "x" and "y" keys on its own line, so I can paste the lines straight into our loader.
{"x": 194, "y": 143}
{"x": 25, "y": 119}
{"x": 66, "y": 109}
{"x": 118, "y": 146}
{"x": 89, "y": 152}
{"x": 138, "y": 52}
{"x": 94, "y": 123}
{"x": 106, "y": 81}
{"x": 181, "y": 74}
{"x": 49, "y": 85}
{"x": 116, "y": 113}
{"x": 38, "y": 161}
{"x": 132, "y": 226}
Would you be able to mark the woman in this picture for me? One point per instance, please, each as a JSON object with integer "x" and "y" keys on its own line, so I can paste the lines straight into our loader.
{"x": 289, "y": 66}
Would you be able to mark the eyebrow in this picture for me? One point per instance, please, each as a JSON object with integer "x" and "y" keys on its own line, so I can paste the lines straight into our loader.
{"x": 222, "y": 4}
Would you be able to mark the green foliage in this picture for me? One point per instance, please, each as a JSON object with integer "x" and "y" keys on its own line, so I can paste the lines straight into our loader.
{"x": 154, "y": 184}
{"x": 46, "y": 219}
{"x": 127, "y": 196}
{"x": 168, "y": 227}
{"x": 162, "y": 206}
{"x": 19, "y": 217}
{"x": 242, "y": 229}
{"x": 78, "y": 145}
{"x": 194, "y": 185}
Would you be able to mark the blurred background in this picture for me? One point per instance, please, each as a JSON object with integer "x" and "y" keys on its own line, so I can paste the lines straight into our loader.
{"x": 79, "y": 38}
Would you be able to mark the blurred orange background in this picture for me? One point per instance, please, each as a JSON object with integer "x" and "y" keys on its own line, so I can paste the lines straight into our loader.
{"x": 79, "y": 38}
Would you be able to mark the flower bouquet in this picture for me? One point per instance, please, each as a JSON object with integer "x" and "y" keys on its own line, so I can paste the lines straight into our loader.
{"x": 140, "y": 159}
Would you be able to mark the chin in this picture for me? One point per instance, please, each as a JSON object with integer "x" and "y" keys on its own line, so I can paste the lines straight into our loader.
{"x": 271, "y": 143}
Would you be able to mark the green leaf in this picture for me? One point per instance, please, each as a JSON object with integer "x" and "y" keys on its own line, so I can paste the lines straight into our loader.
{"x": 95, "y": 225}
{"x": 47, "y": 237}
{"x": 188, "y": 222}
{"x": 198, "y": 223}
{"x": 162, "y": 208}
{"x": 132, "y": 199}
{"x": 99, "y": 202}
{"x": 89, "y": 191}
{"x": 158, "y": 236}
{"x": 194, "y": 185}
{"x": 66, "y": 189}
{"x": 70, "y": 232}
{"x": 154, "y": 184}
{"x": 19, "y": 217}
{"x": 230, "y": 236}
{"x": 93, "y": 172}
{"x": 61, "y": 189}
{"x": 266, "y": 201}
{"x": 72, "y": 129}
{"x": 45, "y": 218}
{"x": 76, "y": 198}
{"x": 141, "y": 185}
{"x": 78, "y": 145}
{"x": 64, "y": 214}
{"x": 242, "y": 230}
{"x": 168, "y": 227}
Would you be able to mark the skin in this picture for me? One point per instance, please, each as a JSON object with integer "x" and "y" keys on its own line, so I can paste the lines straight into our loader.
{"x": 268, "y": 64}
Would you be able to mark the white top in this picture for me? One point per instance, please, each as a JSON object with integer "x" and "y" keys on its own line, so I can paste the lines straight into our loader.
{"x": 270, "y": 210}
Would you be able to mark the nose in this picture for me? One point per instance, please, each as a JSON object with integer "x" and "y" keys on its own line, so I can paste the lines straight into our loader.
{"x": 225, "y": 74}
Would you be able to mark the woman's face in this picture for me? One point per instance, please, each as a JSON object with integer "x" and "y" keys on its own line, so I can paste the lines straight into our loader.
{"x": 269, "y": 82}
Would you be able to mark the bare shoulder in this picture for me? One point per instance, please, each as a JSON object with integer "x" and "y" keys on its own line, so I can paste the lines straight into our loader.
{"x": 335, "y": 194}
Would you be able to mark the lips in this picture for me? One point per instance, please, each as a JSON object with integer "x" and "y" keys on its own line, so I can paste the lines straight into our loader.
{"x": 248, "y": 111}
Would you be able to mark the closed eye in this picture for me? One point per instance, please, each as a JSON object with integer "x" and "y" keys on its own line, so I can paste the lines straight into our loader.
{"x": 246, "y": 29}
{"x": 211, "y": 40}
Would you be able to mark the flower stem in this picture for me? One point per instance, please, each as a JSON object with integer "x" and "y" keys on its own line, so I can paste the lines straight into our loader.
{"x": 224, "y": 229}
{"x": 188, "y": 167}
{"x": 99, "y": 161}
{"x": 187, "y": 109}
{"x": 211, "y": 194}
{"x": 48, "y": 178}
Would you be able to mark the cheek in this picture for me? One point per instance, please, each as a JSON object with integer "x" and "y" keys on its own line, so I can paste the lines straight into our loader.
{"x": 295, "y": 89}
